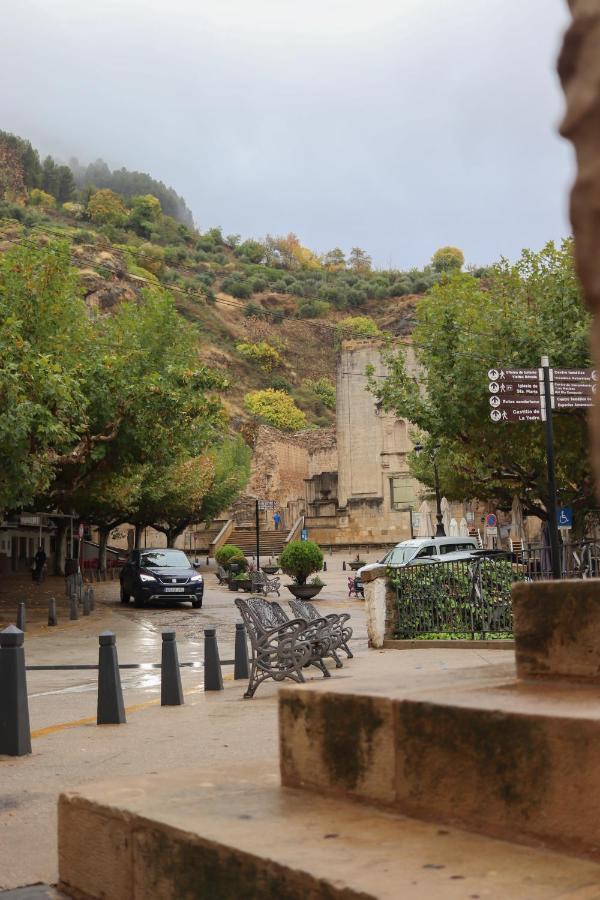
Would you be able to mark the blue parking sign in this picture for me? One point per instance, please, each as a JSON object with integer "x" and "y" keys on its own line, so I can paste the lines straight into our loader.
{"x": 564, "y": 517}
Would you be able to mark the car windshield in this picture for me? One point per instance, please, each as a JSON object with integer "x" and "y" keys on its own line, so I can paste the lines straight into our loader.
{"x": 399, "y": 556}
{"x": 164, "y": 559}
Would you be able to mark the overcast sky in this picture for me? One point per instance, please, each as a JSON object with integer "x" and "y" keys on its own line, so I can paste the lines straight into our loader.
{"x": 394, "y": 125}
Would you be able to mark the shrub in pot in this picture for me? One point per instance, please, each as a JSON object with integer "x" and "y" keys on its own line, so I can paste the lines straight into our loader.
{"x": 231, "y": 558}
{"x": 240, "y": 582}
{"x": 300, "y": 559}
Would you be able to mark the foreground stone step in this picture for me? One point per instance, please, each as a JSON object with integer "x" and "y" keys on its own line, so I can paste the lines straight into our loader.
{"x": 234, "y": 835}
{"x": 474, "y": 748}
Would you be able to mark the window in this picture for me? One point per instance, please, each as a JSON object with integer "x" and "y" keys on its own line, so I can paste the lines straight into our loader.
{"x": 402, "y": 492}
{"x": 426, "y": 551}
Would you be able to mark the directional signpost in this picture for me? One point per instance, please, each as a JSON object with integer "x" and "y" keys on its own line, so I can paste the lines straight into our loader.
{"x": 530, "y": 395}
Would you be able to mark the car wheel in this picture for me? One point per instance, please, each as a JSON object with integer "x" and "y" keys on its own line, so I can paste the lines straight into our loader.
{"x": 124, "y": 595}
{"x": 196, "y": 604}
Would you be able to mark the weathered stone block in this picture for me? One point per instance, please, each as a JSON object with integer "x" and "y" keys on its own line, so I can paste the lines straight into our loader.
{"x": 341, "y": 741}
{"x": 557, "y": 629}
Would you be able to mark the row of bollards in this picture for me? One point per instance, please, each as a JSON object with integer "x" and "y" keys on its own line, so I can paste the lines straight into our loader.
{"x": 88, "y": 603}
{"x": 15, "y": 735}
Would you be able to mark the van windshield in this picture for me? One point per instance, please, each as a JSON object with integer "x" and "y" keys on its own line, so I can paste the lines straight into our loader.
{"x": 399, "y": 556}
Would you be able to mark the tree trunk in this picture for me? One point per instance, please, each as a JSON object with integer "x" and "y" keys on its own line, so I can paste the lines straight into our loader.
{"x": 138, "y": 536}
{"x": 171, "y": 535}
{"x": 61, "y": 547}
{"x": 103, "y": 533}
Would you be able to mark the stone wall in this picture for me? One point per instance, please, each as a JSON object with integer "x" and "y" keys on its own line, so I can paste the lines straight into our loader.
{"x": 579, "y": 70}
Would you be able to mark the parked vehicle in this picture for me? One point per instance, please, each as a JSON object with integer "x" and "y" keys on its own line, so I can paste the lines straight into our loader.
{"x": 163, "y": 575}
{"x": 426, "y": 550}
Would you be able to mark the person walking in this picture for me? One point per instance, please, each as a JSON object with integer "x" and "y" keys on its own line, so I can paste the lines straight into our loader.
{"x": 39, "y": 561}
{"x": 277, "y": 521}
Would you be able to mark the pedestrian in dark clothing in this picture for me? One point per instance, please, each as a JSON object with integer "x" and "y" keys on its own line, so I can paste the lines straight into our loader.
{"x": 39, "y": 561}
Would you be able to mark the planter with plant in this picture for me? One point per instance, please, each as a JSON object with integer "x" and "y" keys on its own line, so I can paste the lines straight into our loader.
{"x": 231, "y": 558}
{"x": 357, "y": 563}
{"x": 299, "y": 560}
{"x": 240, "y": 582}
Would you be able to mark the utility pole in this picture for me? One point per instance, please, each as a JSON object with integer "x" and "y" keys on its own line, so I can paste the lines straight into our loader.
{"x": 257, "y": 520}
{"x": 552, "y": 505}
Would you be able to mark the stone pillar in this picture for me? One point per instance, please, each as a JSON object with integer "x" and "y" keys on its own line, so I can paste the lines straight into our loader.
{"x": 579, "y": 71}
{"x": 380, "y": 600}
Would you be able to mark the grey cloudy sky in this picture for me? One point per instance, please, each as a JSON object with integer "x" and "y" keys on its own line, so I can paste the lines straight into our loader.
{"x": 394, "y": 125}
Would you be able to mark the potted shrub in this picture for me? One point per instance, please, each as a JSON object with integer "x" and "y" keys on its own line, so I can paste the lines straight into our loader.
{"x": 357, "y": 563}
{"x": 270, "y": 569}
{"x": 300, "y": 559}
{"x": 240, "y": 582}
{"x": 231, "y": 558}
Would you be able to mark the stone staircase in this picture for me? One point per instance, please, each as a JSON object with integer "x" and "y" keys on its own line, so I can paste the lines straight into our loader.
{"x": 271, "y": 541}
{"x": 479, "y": 782}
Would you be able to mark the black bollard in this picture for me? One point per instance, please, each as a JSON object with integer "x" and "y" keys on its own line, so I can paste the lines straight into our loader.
{"x": 92, "y": 599}
{"x": 15, "y": 736}
{"x": 344, "y": 566}
{"x": 21, "y": 617}
{"x": 240, "y": 667}
{"x": 73, "y": 610}
{"x": 171, "y": 692}
{"x": 213, "y": 677}
{"x": 324, "y": 565}
{"x": 207, "y": 561}
{"x": 111, "y": 709}
{"x": 52, "y": 619}
{"x": 86, "y": 602}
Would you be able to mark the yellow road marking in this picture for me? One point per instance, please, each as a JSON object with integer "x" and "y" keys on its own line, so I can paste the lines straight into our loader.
{"x": 91, "y": 720}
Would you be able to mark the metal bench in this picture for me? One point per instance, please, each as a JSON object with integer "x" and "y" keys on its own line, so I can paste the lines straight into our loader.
{"x": 281, "y": 647}
{"x": 262, "y": 584}
{"x": 341, "y": 632}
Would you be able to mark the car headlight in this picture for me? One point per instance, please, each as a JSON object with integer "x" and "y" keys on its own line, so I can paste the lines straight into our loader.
{"x": 144, "y": 577}
{"x": 196, "y": 578}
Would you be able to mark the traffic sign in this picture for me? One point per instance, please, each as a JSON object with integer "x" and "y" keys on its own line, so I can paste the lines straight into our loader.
{"x": 267, "y": 504}
{"x": 564, "y": 517}
{"x": 490, "y": 520}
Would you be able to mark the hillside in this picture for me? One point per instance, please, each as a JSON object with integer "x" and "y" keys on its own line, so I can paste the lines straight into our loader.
{"x": 269, "y": 313}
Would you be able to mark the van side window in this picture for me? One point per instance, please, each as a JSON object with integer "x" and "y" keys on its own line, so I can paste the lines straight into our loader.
{"x": 426, "y": 551}
{"x": 449, "y": 548}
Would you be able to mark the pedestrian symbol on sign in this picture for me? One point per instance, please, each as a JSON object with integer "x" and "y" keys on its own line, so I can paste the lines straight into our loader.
{"x": 495, "y": 415}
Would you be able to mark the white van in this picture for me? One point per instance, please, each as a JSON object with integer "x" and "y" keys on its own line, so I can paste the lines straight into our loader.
{"x": 426, "y": 550}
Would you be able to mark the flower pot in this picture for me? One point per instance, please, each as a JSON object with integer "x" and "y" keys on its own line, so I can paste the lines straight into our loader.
{"x": 270, "y": 570}
{"x": 245, "y": 585}
{"x": 357, "y": 564}
{"x": 305, "y": 591}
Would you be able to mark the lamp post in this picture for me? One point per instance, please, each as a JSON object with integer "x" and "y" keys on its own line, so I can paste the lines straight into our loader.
{"x": 440, "y": 531}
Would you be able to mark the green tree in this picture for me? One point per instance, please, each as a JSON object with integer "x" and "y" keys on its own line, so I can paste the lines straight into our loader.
{"x": 171, "y": 496}
{"x": 45, "y": 333}
{"x": 528, "y": 309}
{"x": 107, "y": 500}
{"x": 335, "y": 259}
{"x": 275, "y": 408}
{"x": 324, "y": 389}
{"x": 448, "y": 259}
{"x": 359, "y": 260}
{"x": 231, "y": 465}
{"x": 357, "y": 326}
{"x": 145, "y": 214}
{"x": 104, "y": 207}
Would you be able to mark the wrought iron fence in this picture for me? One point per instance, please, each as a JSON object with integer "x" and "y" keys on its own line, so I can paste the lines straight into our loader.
{"x": 467, "y": 598}
{"x": 580, "y": 559}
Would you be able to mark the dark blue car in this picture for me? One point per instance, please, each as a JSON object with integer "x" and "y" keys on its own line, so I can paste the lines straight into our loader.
{"x": 160, "y": 575}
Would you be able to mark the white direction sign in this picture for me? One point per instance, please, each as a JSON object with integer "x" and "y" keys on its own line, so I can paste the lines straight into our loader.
{"x": 267, "y": 504}
{"x": 517, "y": 395}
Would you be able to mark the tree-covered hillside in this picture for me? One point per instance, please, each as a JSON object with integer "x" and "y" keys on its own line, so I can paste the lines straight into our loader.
{"x": 270, "y": 312}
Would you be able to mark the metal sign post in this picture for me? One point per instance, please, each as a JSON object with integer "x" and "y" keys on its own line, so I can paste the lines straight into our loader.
{"x": 552, "y": 505}
{"x": 530, "y": 395}
{"x": 257, "y": 521}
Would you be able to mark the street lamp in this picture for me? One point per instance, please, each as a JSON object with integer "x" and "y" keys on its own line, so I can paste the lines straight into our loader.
{"x": 440, "y": 531}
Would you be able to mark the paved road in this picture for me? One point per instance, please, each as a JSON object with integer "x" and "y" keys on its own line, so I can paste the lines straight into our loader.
{"x": 70, "y": 750}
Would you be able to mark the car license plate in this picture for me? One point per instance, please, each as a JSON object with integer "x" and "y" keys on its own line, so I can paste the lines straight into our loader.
{"x": 178, "y": 590}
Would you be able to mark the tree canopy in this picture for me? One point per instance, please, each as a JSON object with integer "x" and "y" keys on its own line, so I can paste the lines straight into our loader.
{"x": 527, "y": 310}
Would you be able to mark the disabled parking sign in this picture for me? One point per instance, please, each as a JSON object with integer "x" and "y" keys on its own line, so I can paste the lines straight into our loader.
{"x": 564, "y": 517}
